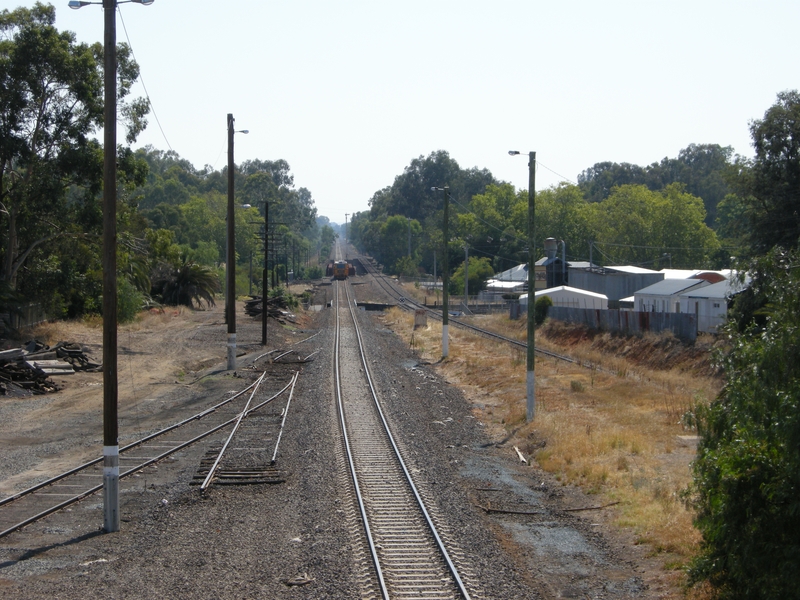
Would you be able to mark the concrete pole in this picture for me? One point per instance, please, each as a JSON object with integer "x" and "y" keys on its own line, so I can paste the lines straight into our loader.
{"x": 230, "y": 262}
{"x": 110, "y": 387}
{"x": 530, "y": 378}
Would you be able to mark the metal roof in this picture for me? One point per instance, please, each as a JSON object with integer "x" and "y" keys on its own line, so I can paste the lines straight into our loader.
{"x": 670, "y": 287}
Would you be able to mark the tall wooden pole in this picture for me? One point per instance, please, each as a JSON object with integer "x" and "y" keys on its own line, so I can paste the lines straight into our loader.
{"x": 530, "y": 379}
{"x": 110, "y": 388}
{"x": 264, "y": 280}
{"x": 230, "y": 288}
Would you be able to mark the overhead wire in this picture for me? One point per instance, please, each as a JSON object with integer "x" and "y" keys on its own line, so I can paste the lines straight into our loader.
{"x": 141, "y": 80}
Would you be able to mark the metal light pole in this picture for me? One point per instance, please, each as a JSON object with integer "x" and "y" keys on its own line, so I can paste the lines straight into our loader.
{"x": 264, "y": 281}
{"x": 110, "y": 387}
{"x": 466, "y": 279}
{"x": 531, "y": 379}
{"x": 230, "y": 260}
{"x": 445, "y": 273}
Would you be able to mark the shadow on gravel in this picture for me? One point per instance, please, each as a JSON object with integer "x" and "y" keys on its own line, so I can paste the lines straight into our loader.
{"x": 33, "y": 552}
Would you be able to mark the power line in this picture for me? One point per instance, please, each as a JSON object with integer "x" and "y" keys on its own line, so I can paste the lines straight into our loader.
{"x": 141, "y": 80}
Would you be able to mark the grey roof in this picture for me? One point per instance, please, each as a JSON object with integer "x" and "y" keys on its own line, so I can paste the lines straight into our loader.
{"x": 721, "y": 290}
{"x": 670, "y": 287}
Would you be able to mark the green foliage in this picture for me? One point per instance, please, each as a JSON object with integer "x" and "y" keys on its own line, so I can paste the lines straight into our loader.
{"x": 636, "y": 225}
{"x": 185, "y": 284}
{"x": 747, "y": 470}
{"x": 406, "y": 267}
{"x": 480, "y": 271}
{"x": 700, "y": 168}
{"x": 769, "y": 185}
{"x": 50, "y": 108}
{"x": 314, "y": 272}
{"x": 282, "y": 297}
{"x": 540, "y": 308}
{"x": 129, "y": 301}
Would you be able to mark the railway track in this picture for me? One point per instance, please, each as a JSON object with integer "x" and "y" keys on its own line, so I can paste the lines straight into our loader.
{"x": 409, "y": 558}
{"x": 54, "y": 494}
{"x": 409, "y": 304}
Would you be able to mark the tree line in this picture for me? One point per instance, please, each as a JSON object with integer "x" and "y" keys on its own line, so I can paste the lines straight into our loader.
{"x": 171, "y": 217}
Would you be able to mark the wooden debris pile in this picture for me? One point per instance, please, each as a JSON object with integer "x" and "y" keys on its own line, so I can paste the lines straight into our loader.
{"x": 31, "y": 366}
{"x": 254, "y": 308}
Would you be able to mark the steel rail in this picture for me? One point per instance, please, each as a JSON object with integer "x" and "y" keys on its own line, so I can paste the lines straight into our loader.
{"x": 350, "y": 460}
{"x": 283, "y": 421}
{"x": 409, "y": 302}
{"x": 213, "y": 468}
{"x": 432, "y": 527}
{"x": 140, "y": 466}
{"x": 146, "y": 439}
{"x": 443, "y": 577}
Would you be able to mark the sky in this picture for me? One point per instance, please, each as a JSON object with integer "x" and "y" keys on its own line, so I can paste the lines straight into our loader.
{"x": 350, "y": 92}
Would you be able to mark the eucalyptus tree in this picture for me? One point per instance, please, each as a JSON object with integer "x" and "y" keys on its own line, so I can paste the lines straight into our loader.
{"x": 51, "y": 105}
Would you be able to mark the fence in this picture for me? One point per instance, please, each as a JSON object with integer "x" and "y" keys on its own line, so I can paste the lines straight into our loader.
{"x": 26, "y": 316}
{"x": 683, "y": 325}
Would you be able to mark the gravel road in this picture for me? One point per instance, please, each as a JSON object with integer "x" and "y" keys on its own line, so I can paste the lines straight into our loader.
{"x": 300, "y": 538}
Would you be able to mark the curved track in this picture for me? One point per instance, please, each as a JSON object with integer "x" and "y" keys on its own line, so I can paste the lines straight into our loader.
{"x": 409, "y": 558}
{"x": 410, "y": 304}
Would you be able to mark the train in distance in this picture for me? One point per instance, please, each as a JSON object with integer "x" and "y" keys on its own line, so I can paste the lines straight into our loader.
{"x": 340, "y": 269}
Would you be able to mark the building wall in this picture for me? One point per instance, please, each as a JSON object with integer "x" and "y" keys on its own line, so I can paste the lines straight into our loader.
{"x": 614, "y": 285}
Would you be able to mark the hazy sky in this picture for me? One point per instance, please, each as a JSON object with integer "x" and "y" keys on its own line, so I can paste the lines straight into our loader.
{"x": 350, "y": 92}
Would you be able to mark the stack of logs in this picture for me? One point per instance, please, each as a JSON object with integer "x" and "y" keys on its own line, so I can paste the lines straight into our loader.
{"x": 29, "y": 368}
{"x": 254, "y": 308}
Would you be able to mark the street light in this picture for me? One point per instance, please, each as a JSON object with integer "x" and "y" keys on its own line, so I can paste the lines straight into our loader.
{"x": 110, "y": 388}
{"x": 445, "y": 272}
{"x": 230, "y": 262}
{"x": 530, "y": 379}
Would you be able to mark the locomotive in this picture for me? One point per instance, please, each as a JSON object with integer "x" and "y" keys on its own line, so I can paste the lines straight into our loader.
{"x": 340, "y": 269}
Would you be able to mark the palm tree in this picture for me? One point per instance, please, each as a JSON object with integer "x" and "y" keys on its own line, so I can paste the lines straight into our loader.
{"x": 185, "y": 284}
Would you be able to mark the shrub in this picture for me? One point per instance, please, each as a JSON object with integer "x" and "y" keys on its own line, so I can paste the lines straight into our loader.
{"x": 129, "y": 301}
{"x": 746, "y": 475}
{"x": 540, "y": 308}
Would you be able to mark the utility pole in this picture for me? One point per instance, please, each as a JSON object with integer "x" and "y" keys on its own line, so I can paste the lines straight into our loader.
{"x": 445, "y": 272}
{"x": 230, "y": 297}
{"x": 531, "y": 363}
{"x": 345, "y": 227}
{"x": 409, "y": 237}
{"x": 110, "y": 383}
{"x": 265, "y": 282}
{"x": 466, "y": 278}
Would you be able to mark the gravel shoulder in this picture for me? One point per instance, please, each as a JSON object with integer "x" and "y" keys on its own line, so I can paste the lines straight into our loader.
{"x": 297, "y": 539}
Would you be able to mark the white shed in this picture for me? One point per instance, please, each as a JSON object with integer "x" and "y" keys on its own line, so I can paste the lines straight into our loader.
{"x": 564, "y": 295}
{"x": 664, "y": 296}
{"x": 710, "y": 304}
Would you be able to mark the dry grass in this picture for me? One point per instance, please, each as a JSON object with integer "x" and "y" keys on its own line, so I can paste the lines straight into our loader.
{"x": 613, "y": 428}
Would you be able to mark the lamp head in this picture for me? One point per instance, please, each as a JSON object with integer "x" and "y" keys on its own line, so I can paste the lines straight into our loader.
{"x": 513, "y": 152}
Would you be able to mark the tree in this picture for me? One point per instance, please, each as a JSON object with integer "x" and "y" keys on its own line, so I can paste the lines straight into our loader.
{"x": 185, "y": 284}
{"x": 746, "y": 475}
{"x": 52, "y": 102}
{"x": 480, "y": 271}
{"x": 770, "y": 183}
{"x": 639, "y": 226}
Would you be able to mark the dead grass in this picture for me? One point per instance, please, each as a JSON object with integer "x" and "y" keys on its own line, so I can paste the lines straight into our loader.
{"x": 613, "y": 428}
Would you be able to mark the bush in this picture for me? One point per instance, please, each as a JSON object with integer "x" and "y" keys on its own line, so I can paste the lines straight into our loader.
{"x": 540, "y": 309}
{"x": 129, "y": 301}
{"x": 746, "y": 475}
